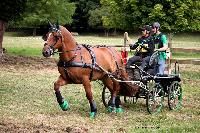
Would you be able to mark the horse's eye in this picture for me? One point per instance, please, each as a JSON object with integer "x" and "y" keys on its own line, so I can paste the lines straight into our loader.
{"x": 56, "y": 38}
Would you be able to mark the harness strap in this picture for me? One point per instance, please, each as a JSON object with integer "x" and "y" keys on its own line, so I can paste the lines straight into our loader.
{"x": 82, "y": 64}
{"x": 93, "y": 57}
{"x": 75, "y": 64}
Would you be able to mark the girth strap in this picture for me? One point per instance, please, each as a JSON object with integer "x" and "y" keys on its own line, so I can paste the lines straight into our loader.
{"x": 93, "y": 57}
{"x": 75, "y": 64}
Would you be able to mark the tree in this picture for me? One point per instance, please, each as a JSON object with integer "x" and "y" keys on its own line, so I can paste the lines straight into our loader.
{"x": 95, "y": 17}
{"x": 9, "y": 10}
{"x": 39, "y": 11}
{"x": 181, "y": 15}
{"x": 82, "y": 13}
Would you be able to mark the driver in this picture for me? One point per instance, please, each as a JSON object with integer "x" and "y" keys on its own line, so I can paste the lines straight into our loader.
{"x": 144, "y": 48}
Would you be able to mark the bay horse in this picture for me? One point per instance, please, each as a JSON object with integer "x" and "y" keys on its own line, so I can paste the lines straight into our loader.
{"x": 81, "y": 64}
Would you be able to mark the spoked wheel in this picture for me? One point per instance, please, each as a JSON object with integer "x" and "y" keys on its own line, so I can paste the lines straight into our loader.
{"x": 175, "y": 95}
{"x": 105, "y": 96}
{"x": 155, "y": 97}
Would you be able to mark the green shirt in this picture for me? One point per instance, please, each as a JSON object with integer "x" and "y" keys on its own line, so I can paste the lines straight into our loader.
{"x": 160, "y": 40}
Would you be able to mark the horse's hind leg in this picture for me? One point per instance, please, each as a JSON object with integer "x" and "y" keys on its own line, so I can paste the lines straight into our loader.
{"x": 87, "y": 86}
{"x": 118, "y": 105}
{"x": 114, "y": 102}
{"x": 115, "y": 99}
{"x": 63, "y": 103}
{"x": 109, "y": 84}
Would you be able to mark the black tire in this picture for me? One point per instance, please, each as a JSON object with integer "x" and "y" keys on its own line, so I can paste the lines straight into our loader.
{"x": 175, "y": 96}
{"x": 105, "y": 96}
{"x": 155, "y": 98}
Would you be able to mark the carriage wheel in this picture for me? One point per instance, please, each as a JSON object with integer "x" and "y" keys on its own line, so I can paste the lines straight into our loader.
{"x": 105, "y": 96}
{"x": 175, "y": 95}
{"x": 155, "y": 98}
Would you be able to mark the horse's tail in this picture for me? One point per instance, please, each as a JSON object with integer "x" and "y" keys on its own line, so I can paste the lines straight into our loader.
{"x": 126, "y": 88}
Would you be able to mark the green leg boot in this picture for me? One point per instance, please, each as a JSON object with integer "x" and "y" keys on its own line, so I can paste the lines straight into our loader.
{"x": 92, "y": 115}
{"x": 119, "y": 110}
{"x": 111, "y": 109}
{"x": 64, "y": 106}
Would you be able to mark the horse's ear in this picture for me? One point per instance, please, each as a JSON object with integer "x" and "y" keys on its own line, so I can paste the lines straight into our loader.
{"x": 50, "y": 24}
{"x": 57, "y": 25}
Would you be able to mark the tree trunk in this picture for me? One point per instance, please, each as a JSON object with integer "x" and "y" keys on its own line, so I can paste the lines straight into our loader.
{"x": 115, "y": 32}
{"x": 34, "y": 32}
{"x": 106, "y": 32}
{"x": 2, "y": 30}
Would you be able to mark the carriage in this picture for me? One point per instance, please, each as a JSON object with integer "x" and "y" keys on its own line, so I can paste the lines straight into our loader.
{"x": 153, "y": 88}
{"x": 81, "y": 64}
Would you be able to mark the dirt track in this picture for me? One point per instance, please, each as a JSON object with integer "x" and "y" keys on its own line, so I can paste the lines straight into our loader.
{"x": 18, "y": 128}
{"x": 32, "y": 62}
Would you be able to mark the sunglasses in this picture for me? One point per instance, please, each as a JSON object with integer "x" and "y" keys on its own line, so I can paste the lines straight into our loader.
{"x": 154, "y": 27}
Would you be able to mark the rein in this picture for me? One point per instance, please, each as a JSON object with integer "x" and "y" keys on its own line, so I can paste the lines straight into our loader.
{"x": 58, "y": 52}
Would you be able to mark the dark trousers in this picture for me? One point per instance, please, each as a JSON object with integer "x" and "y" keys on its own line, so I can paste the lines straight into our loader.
{"x": 130, "y": 62}
{"x": 133, "y": 60}
{"x": 145, "y": 62}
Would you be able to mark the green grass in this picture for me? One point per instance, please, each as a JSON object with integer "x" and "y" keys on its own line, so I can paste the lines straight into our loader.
{"x": 184, "y": 55}
{"x": 33, "y": 45}
{"x": 25, "y": 51}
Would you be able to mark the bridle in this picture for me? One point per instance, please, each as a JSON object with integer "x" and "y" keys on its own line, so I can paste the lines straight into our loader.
{"x": 57, "y": 37}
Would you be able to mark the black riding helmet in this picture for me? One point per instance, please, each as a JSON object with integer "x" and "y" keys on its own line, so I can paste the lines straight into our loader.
{"x": 147, "y": 28}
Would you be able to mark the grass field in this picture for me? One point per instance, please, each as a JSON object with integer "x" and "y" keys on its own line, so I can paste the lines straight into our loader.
{"x": 28, "y": 103}
{"x": 33, "y": 45}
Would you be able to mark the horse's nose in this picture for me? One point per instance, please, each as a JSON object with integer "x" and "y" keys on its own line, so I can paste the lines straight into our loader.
{"x": 45, "y": 44}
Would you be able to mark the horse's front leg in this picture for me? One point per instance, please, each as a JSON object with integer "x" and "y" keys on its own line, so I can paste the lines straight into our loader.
{"x": 93, "y": 108}
{"x": 63, "y": 103}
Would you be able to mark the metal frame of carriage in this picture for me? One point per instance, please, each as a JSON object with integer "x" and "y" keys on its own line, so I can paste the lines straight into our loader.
{"x": 154, "y": 89}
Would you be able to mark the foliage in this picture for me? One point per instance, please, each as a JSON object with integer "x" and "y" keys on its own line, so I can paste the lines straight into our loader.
{"x": 11, "y": 9}
{"x": 179, "y": 15}
{"x": 38, "y": 11}
{"x": 95, "y": 18}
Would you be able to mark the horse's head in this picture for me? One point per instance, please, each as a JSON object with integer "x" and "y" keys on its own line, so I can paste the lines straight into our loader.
{"x": 53, "y": 40}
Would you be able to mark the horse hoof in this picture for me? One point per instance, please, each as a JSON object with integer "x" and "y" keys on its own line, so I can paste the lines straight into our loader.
{"x": 64, "y": 106}
{"x": 111, "y": 109}
{"x": 92, "y": 115}
{"x": 119, "y": 110}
